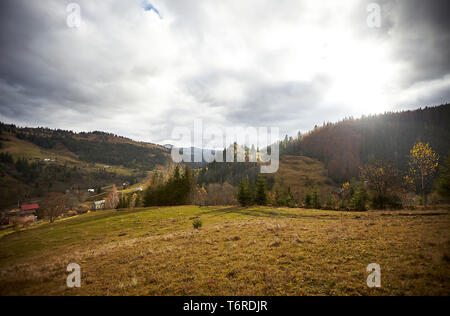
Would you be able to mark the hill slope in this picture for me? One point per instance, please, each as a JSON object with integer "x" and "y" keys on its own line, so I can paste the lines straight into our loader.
{"x": 344, "y": 146}
{"x": 302, "y": 174}
{"x": 238, "y": 251}
{"x": 56, "y": 160}
{"x": 95, "y": 147}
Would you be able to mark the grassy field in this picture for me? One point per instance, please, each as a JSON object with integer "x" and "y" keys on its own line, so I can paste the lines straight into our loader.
{"x": 238, "y": 251}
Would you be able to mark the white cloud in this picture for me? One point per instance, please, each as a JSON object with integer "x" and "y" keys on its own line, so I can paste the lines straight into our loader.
{"x": 287, "y": 63}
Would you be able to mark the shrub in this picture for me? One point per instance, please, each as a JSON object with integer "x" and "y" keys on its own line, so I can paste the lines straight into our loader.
{"x": 197, "y": 224}
{"x": 386, "y": 201}
{"x": 343, "y": 205}
{"x": 308, "y": 200}
{"x": 315, "y": 199}
{"x": 330, "y": 203}
{"x": 395, "y": 202}
{"x": 359, "y": 200}
{"x": 419, "y": 200}
{"x": 286, "y": 199}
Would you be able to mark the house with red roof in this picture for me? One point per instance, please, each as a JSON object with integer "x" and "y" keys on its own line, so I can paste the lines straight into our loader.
{"x": 28, "y": 209}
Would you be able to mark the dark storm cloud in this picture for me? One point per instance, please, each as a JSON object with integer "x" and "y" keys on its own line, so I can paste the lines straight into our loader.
{"x": 33, "y": 74}
{"x": 269, "y": 103}
{"x": 56, "y": 76}
{"x": 418, "y": 32}
{"x": 285, "y": 104}
{"x": 247, "y": 63}
{"x": 424, "y": 37}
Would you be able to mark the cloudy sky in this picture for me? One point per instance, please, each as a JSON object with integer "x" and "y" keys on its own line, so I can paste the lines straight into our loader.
{"x": 139, "y": 68}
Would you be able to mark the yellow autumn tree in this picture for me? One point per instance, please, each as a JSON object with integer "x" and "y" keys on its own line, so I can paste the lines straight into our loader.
{"x": 345, "y": 189}
{"x": 423, "y": 162}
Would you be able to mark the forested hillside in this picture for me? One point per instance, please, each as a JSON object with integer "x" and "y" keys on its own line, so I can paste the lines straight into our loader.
{"x": 96, "y": 147}
{"x": 344, "y": 146}
{"x": 231, "y": 173}
{"x": 34, "y": 161}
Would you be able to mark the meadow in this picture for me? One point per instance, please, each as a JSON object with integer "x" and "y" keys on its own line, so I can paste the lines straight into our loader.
{"x": 237, "y": 251}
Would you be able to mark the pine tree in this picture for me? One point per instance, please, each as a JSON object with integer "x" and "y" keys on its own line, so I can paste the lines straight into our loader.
{"x": 308, "y": 200}
{"x": 290, "y": 201}
{"x": 244, "y": 194}
{"x": 261, "y": 191}
{"x": 359, "y": 200}
{"x": 188, "y": 185}
{"x": 444, "y": 178}
{"x": 6, "y": 158}
{"x": 330, "y": 203}
{"x": 315, "y": 200}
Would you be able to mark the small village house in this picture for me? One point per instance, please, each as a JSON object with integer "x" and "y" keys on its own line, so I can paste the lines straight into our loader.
{"x": 99, "y": 205}
{"x": 29, "y": 209}
{"x": 24, "y": 215}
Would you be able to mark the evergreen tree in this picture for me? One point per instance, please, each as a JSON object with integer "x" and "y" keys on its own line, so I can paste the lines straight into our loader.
{"x": 244, "y": 193}
{"x": 286, "y": 199}
{"x": 290, "y": 201}
{"x": 315, "y": 199}
{"x": 330, "y": 203}
{"x": 359, "y": 200}
{"x": 308, "y": 200}
{"x": 444, "y": 178}
{"x": 177, "y": 174}
{"x": 176, "y": 191}
{"x": 261, "y": 191}
{"x": 6, "y": 158}
{"x": 187, "y": 185}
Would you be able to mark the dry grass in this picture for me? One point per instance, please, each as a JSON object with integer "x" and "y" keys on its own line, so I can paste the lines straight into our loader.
{"x": 238, "y": 251}
{"x": 302, "y": 174}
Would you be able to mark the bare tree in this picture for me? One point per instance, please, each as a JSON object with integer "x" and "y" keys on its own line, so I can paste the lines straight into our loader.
{"x": 383, "y": 179}
{"x": 53, "y": 205}
{"x": 72, "y": 201}
{"x": 221, "y": 194}
{"x": 113, "y": 198}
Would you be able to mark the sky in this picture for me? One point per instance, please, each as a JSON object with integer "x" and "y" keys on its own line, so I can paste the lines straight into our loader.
{"x": 139, "y": 69}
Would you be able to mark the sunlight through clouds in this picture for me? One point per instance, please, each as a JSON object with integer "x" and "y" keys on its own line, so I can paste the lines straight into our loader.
{"x": 291, "y": 63}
